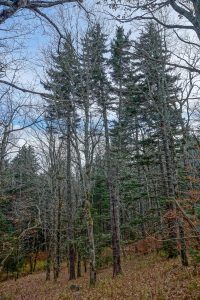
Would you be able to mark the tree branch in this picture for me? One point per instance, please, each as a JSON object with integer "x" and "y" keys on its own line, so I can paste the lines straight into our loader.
{"x": 14, "y": 6}
{"x": 23, "y": 89}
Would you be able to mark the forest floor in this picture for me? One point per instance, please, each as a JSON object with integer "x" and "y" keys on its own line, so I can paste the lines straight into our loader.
{"x": 145, "y": 277}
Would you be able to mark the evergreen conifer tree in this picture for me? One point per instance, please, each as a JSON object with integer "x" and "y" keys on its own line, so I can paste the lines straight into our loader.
{"x": 100, "y": 92}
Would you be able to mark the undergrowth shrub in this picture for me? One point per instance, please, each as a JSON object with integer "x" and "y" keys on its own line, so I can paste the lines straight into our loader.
{"x": 6, "y": 297}
{"x": 14, "y": 265}
{"x": 105, "y": 259}
{"x": 169, "y": 248}
{"x": 41, "y": 265}
{"x": 195, "y": 256}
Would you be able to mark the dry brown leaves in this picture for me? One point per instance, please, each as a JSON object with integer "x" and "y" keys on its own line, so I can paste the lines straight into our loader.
{"x": 145, "y": 277}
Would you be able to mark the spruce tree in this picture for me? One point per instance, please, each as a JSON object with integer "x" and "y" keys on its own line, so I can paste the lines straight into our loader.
{"x": 160, "y": 116}
{"x": 62, "y": 82}
{"x": 100, "y": 91}
{"x": 24, "y": 167}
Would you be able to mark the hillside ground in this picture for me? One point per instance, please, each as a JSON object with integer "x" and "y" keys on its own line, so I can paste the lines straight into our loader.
{"x": 145, "y": 277}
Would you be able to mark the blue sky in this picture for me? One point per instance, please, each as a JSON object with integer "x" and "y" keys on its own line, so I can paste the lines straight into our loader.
{"x": 29, "y": 35}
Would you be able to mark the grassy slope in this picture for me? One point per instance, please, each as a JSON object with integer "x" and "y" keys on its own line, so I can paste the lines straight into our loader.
{"x": 145, "y": 277}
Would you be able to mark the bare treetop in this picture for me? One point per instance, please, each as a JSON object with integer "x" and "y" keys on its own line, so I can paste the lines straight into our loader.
{"x": 188, "y": 11}
{"x": 9, "y": 7}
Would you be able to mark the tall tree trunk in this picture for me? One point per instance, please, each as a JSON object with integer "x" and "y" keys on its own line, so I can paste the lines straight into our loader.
{"x": 85, "y": 265}
{"x": 184, "y": 258}
{"x": 58, "y": 236}
{"x": 78, "y": 264}
{"x": 86, "y": 181}
{"x": 171, "y": 183}
{"x": 170, "y": 164}
{"x": 139, "y": 177}
{"x": 72, "y": 254}
{"x": 72, "y": 260}
{"x": 48, "y": 265}
{"x": 89, "y": 221}
{"x": 114, "y": 201}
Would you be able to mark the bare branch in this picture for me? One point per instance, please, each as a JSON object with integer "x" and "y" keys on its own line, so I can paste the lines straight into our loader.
{"x": 24, "y": 90}
{"x": 14, "y": 6}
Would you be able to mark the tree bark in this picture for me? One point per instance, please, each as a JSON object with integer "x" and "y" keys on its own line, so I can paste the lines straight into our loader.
{"x": 114, "y": 201}
{"x": 184, "y": 258}
{"x": 58, "y": 236}
{"x": 78, "y": 264}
